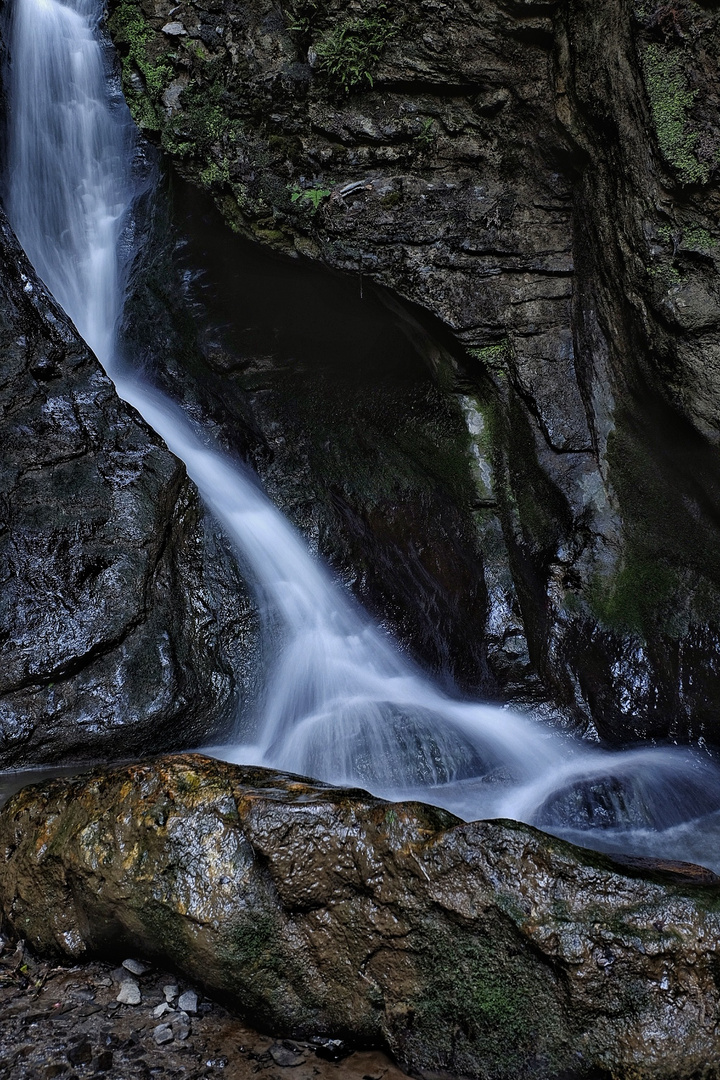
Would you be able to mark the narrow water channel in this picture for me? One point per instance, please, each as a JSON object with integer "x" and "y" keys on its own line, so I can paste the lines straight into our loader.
{"x": 341, "y": 703}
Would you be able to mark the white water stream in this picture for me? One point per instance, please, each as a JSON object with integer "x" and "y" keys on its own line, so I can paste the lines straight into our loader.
{"x": 341, "y": 703}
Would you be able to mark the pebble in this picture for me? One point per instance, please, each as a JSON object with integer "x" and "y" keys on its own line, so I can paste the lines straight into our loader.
{"x": 135, "y": 967}
{"x": 188, "y": 1001}
{"x": 163, "y": 1033}
{"x": 160, "y": 1010}
{"x": 174, "y": 29}
{"x": 129, "y": 993}
{"x": 171, "y": 992}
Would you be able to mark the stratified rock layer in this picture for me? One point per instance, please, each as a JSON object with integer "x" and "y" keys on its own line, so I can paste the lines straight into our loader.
{"x": 484, "y": 950}
{"x": 542, "y": 176}
{"x": 118, "y": 629}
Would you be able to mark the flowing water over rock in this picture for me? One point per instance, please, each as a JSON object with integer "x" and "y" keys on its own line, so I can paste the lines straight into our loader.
{"x": 340, "y": 703}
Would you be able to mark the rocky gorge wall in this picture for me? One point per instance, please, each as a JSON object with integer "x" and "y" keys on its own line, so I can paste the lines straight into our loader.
{"x": 124, "y": 626}
{"x": 540, "y": 176}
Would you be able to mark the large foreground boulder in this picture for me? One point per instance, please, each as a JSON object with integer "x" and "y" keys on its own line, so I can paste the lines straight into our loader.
{"x": 123, "y": 623}
{"x": 486, "y": 949}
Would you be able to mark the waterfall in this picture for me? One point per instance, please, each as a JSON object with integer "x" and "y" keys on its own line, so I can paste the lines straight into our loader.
{"x": 341, "y": 702}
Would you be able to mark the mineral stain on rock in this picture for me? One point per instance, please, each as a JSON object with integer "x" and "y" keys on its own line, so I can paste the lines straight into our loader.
{"x": 485, "y": 949}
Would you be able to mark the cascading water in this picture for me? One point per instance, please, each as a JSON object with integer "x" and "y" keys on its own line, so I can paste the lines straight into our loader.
{"x": 341, "y": 703}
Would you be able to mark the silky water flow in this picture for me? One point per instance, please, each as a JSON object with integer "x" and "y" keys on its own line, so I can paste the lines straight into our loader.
{"x": 341, "y": 703}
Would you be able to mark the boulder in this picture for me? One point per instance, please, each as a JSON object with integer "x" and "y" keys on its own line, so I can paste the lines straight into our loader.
{"x": 124, "y": 625}
{"x": 486, "y": 950}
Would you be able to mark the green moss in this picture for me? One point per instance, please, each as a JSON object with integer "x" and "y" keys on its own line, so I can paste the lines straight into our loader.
{"x": 495, "y": 357}
{"x": 201, "y": 125}
{"x": 215, "y": 175}
{"x": 632, "y": 598}
{"x": 697, "y": 238}
{"x": 391, "y": 199}
{"x": 427, "y": 135}
{"x": 665, "y": 273}
{"x": 134, "y": 36}
{"x": 669, "y": 575}
{"x": 670, "y": 101}
{"x": 253, "y": 940}
{"x": 166, "y": 931}
{"x": 485, "y": 1001}
{"x": 348, "y": 53}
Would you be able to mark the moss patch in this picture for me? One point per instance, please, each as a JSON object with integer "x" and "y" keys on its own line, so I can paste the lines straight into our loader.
{"x": 485, "y": 1003}
{"x": 635, "y": 596}
{"x": 348, "y": 53}
{"x": 670, "y": 102}
{"x": 669, "y": 577}
{"x": 134, "y": 37}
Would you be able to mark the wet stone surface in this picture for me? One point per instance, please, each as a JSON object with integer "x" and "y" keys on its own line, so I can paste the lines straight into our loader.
{"x": 60, "y": 1021}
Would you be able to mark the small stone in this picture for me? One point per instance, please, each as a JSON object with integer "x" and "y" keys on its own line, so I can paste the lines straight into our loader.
{"x": 135, "y": 967}
{"x": 171, "y": 97}
{"x": 104, "y": 1061}
{"x": 181, "y": 1026}
{"x": 163, "y": 1033}
{"x": 331, "y": 1049}
{"x": 188, "y": 1001}
{"x": 286, "y": 1057}
{"x": 129, "y": 993}
{"x": 160, "y": 1010}
{"x": 174, "y": 29}
{"x": 80, "y": 1054}
{"x": 171, "y": 992}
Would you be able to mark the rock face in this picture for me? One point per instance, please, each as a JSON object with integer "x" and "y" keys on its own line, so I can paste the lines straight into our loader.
{"x": 541, "y": 176}
{"x": 119, "y": 630}
{"x": 483, "y": 950}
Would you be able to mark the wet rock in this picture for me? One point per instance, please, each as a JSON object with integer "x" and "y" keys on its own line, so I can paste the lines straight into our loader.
{"x": 171, "y": 992}
{"x": 160, "y": 1010}
{"x": 109, "y": 563}
{"x": 484, "y": 950}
